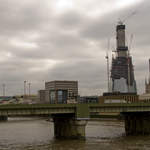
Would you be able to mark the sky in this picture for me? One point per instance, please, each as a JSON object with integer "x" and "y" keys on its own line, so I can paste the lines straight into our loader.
{"x": 45, "y": 40}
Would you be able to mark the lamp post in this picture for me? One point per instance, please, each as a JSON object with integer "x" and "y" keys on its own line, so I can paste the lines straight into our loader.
{"x": 3, "y": 89}
{"x": 29, "y": 84}
{"x": 25, "y": 88}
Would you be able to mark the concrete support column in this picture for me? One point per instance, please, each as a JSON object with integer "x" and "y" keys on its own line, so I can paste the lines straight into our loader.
{"x": 68, "y": 127}
{"x": 3, "y": 118}
{"x": 137, "y": 123}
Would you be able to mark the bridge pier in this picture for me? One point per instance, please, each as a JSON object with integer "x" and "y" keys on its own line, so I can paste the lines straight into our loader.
{"x": 66, "y": 127}
{"x": 3, "y": 118}
{"x": 137, "y": 123}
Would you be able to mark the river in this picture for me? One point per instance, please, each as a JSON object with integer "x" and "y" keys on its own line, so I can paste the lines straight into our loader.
{"x": 37, "y": 134}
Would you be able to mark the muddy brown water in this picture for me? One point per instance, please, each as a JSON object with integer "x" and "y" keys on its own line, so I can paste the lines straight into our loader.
{"x": 38, "y": 134}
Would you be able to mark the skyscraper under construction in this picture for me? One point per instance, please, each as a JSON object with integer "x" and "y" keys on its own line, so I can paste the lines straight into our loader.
{"x": 122, "y": 71}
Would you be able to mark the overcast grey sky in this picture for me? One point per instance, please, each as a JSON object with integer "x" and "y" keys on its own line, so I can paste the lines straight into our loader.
{"x": 44, "y": 40}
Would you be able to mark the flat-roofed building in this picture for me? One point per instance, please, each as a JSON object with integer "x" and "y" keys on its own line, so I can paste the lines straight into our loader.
{"x": 61, "y": 91}
{"x": 119, "y": 98}
{"x": 88, "y": 99}
{"x": 41, "y": 96}
{"x": 145, "y": 97}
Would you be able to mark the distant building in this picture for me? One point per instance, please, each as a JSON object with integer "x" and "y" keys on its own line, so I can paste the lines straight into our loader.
{"x": 118, "y": 98}
{"x": 41, "y": 96}
{"x": 5, "y": 98}
{"x": 146, "y": 96}
{"x": 147, "y": 87}
{"x": 147, "y": 83}
{"x": 88, "y": 99}
{"x": 59, "y": 92}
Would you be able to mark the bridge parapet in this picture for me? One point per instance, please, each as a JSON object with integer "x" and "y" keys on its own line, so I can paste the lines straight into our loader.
{"x": 81, "y": 111}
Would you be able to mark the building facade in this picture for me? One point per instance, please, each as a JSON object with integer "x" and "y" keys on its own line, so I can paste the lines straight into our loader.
{"x": 146, "y": 96}
{"x": 147, "y": 87}
{"x": 61, "y": 92}
{"x": 88, "y": 99}
{"x": 147, "y": 83}
{"x": 109, "y": 98}
{"x": 41, "y": 96}
{"x": 122, "y": 71}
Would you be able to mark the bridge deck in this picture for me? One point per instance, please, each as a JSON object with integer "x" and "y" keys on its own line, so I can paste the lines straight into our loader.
{"x": 80, "y": 110}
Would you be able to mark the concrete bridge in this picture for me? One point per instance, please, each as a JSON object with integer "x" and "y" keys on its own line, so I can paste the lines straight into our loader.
{"x": 70, "y": 119}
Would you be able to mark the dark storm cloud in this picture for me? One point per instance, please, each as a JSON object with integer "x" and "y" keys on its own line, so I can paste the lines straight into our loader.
{"x": 37, "y": 43}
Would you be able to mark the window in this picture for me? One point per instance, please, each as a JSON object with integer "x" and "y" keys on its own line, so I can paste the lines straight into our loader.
{"x": 52, "y": 97}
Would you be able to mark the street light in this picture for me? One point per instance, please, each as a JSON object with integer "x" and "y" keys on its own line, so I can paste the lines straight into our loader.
{"x": 25, "y": 88}
{"x": 29, "y": 84}
{"x": 3, "y": 85}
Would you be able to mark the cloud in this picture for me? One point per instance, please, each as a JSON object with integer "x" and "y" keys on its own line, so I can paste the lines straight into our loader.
{"x": 85, "y": 71}
{"x": 49, "y": 40}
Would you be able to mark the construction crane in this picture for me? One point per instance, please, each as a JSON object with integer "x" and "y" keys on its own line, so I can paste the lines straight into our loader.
{"x": 126, "y": 18}
{"x": 130, "y": 42}
{"x": 107, "y": 59}
{"x": 4, "y": 88}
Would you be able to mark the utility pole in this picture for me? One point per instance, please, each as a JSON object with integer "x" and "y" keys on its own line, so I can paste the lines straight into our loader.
{"x": 29, "y": 84}
{"x": 107, "y": 59}
{"x": 3, "y": 89}
{"x": 25, "y": 88}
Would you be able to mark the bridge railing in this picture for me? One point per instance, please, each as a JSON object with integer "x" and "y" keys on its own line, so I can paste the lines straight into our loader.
{"x": 80, "y": 111}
